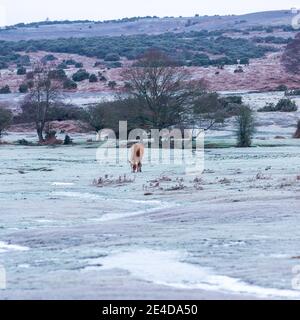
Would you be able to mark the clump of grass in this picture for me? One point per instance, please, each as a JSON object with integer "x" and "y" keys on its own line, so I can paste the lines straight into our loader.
{"x": 109, "y": 181}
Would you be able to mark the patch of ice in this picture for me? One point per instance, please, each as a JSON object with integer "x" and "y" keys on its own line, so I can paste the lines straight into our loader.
{"x": 115, "y": 216}
{"x": 79, "y": 195}
{"x": 62, "y": 184}
{"x": 44, "y": 221}
{"x": 24, "y": 266}
{"x": 279, "y": 255}
{"x": 165, "y": 268}
{"x": 156, "y": 205}
{"x": 4, "y": 247}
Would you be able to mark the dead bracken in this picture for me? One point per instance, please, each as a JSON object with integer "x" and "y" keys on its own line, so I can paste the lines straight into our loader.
{"x": 108, "y": 181}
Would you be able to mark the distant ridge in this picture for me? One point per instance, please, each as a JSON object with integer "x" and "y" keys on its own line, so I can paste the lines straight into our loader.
{"x": 142, "y": 25}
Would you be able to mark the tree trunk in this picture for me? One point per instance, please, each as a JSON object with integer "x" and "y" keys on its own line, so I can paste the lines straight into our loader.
{"x": 39, "y": 131}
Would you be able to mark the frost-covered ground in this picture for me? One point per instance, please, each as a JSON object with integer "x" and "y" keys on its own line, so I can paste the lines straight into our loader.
{"x": 234, "y": 233}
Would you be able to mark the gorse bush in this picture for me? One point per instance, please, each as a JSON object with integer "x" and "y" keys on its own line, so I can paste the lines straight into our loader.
{"x": 283, "y": 105}
{"x": 70, "y": 62}
{"x": 80, "y": 75}
{"x": 93, "y": 78}
{"x": 286, "y": 105}
{"x": 5, "y": 90}
{"x": 24, "y": 142}
{"x": 23, "y": 88}
{"x": 48, "y": 57}
{"x": 112, "y": 84}
{"x": 57, "y": 74}
{"x": 69, "y": 84}
{"x": 112, "y": 57}
{"x": 21, "y": 71}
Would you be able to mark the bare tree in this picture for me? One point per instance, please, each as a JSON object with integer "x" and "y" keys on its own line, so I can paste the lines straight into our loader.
{"x": 161, "y": 87}
{"x": 44, "y": 93}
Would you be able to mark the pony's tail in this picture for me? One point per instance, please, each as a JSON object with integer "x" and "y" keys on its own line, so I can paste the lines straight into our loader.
{"x": 138, "y": 153}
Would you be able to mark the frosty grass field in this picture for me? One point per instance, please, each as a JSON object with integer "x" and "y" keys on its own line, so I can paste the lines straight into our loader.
{"x": 233, "y": 233}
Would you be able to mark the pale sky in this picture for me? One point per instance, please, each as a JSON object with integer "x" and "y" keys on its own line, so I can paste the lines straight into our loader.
{"x": 14, "y": 11}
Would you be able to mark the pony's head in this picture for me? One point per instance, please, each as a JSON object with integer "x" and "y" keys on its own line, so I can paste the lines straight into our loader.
{"x": 136, "y": 167}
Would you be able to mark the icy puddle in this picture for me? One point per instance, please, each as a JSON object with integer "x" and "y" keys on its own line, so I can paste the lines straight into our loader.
{"x": 167, "y": 268}
{"x": 5, "y": 247}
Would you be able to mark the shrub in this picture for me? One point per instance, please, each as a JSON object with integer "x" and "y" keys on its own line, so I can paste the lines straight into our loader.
{"x": 245, "y": 127}
{"x": 80, "y": 75}
{"x": 70, "y": 62}
{"x": 23, "y": 88}
{"x": 269, "y": 107}
{"x": 102, "y": 78}
{"x": 112, "y": 84}
{"x": 23, "y": 61}
{"x": 282, "y": 87}
{"x": 62, "y": 65}
{"x": 31, "y": 49}
{"x": 5, "y": 90}
{"x": 69, "y": 84}
{"x": 200, "y": 60}
{"x": 24, "y": 142}
{"x": 78, "y": 65}
{"x": 244, "y": 61}
{"x": 295, "y": 92}
{"x": 3, "y": 65}
{"x": 108, "y": 114}
{"x": 48, "y": 57}
{"x": 232, "y": 99}
{"x": 21, "y": 71}
{"x": 116, "y": 64}
{"x": 112, "y": 57}
{"x": 58, "y": 74}
{"x": 67, "y": 140}
{"x": 93, "y": 78}
{"x": 63, "y": 112}
{"x": 286, "y": 105}
{"x": 283, "y": 105}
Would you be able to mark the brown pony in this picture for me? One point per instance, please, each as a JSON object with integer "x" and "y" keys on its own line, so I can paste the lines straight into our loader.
{"x": 137, "y": 154}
